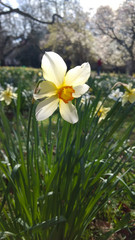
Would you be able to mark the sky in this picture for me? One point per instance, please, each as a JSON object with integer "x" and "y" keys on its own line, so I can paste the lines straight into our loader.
{"x": 94, "y": 4}
{"x": 87, "y": 4}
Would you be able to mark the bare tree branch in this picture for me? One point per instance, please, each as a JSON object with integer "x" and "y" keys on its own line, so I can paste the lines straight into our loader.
{"x": 113, "y": 36}
{"x": 17, "y": 10}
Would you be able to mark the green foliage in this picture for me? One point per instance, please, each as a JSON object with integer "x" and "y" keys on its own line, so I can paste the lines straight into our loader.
{"x": 24, "y": 80}
{"x": 56, "y": 178}
{"x": 19, "y": 76}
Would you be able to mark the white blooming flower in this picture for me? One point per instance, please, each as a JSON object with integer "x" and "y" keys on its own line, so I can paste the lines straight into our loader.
{"x": 60, "y": 87}
{"x": 85, "y": 99}
{"x": 101, "y": 111}
{"x": 129, "y": 94}
{"x": 116, "y": 94}
{"x": 8, "y": 94}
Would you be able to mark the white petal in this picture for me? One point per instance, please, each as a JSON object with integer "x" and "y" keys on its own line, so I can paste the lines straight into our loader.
{"x": 80, "y": 90}
{"x": 132, "y": 98}
{"x": 8, "y": 101}
{"x": 46, "y": 89}
{"x": 78, "y": 75}
{"x": 1, "y": 97}
{"x": 14, "y": 95}
{"x": 54, "y": 68}
{"x": 68, "y": 112}
{"x": 46, "y": 108}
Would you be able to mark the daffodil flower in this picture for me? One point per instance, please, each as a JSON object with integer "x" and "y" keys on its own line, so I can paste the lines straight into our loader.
{"x": 101, "y": 111}
{"x": 115, "y": 94}
{"x": 86, "y": 99}
{"x": 60, "y": 87}
{"x": 7, "y": 95}
{"x": 129, "y": 94}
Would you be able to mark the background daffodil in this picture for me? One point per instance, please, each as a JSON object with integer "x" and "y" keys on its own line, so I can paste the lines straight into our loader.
{"x": 7, "y": 95}
{"x": 60, "y": 87}
{"x": 101, "y": 111}
{"x": 116, "y": 94}
{"x": 129, "y": 94}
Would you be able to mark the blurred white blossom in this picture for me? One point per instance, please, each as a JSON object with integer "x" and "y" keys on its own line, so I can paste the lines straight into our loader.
{"x": 8, "y": 94}
{"x": 116, "y": 94}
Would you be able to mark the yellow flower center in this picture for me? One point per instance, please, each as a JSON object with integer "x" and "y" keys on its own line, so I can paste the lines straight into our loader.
{"x": 65, "y": 93}
{"x": 100, "y": 113}
{"x": 8, "y": 93}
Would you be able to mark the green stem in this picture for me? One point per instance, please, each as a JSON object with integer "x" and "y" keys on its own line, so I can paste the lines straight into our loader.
{"x": 28, "y": 134}
{"x": 28, "y": 139}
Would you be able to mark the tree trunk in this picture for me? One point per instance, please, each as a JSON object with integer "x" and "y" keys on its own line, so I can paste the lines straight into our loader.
{"x": 130, "y": 67}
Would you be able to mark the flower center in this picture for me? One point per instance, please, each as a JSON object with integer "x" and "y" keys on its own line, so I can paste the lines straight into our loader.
{"x": 65, "y": 93}
{"x": 8, "y": 94}
{"x": 100, "y": 113}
